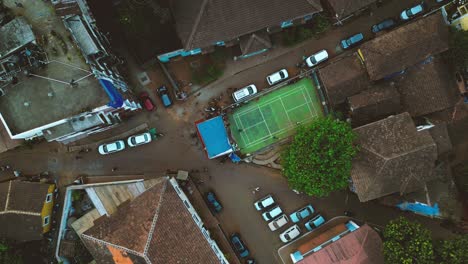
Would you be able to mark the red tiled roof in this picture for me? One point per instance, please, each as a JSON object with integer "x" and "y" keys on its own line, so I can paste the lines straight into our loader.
{"x": 363, "y": 246}
{"x": 155, "y": 227}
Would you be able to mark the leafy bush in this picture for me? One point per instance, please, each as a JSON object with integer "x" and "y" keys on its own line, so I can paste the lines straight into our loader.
{"x": 318, "y": 161}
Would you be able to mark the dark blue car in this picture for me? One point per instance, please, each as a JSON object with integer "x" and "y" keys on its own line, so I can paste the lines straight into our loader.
{"x": 351, "y": 41}
{"x": 386, "y": 24}
{"x": 239, "y": 246}
{"x": 213, "y": 202}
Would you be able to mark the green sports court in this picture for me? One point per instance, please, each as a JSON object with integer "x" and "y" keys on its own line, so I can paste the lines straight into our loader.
{"x": 274, "y": 116}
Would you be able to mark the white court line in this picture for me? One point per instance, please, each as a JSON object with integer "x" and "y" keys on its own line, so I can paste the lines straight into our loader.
{"x": 243, "y": 129}
{"x": 300, "y": 89}
{"x": 242, "y": 136}
{"x": 277, "y": 132}
{"x": 294, "y": 108}
{"x": 264, "y": 120}
{"x": 286, "y": 111}
{"x": 315, "y": 110}
{"x": 269, "y": 102}
{"x": 308, "y": 106}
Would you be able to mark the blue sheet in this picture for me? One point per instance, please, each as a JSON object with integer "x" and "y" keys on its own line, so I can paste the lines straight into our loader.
{"x": 214, "y": 136}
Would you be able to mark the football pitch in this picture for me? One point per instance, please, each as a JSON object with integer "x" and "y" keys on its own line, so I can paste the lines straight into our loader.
{"x": 274, "y": 116}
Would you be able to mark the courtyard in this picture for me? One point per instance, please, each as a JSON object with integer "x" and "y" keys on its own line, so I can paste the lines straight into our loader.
{"x": 274, "y": 116}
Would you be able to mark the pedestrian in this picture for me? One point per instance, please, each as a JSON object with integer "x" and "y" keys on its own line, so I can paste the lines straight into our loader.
{"x": 257, "y": 189}
{"x": 114, "y": 169}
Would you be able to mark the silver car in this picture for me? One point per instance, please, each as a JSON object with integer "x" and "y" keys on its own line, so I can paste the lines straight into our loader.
{"x": 290, "y": 234}
{"x": 278, "y": 222}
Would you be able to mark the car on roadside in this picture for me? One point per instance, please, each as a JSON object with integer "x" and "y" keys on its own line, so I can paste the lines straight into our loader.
{"x": 163, "y": 93}
{"x": 277, "y": 77}
{"x": 302, "y": 213}
{"x": 271, "y": 214}
{"x": 112, "y": 147}
{"x": 244, "y": 93}
{"x": 352, "y": 41}
{"x": 278, "y": 222}
{"x": 315, "y": 59}
{"x": 239, "y": 246}
{"x": 290, "y": 234}
{"x": 146, "y": 101}
{"x": 384, "y": 25}
{"x": 264, "y": 202}
{"x": 213, "y": 202}
{"x": 314, "y": 222}
{"x": 137, "y": 140}
{"x": 412, "y": 12}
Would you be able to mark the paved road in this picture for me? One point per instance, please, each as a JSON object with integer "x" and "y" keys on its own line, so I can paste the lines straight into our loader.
{"x": 232, "y": 183}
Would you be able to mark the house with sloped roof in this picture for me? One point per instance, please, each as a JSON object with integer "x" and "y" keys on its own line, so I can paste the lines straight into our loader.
{"x": 343, "y": 9}
{"x": 393, "y": 157}
{"x": 343, "y": 78}
{"x": 25, "y": 210}
{"x": 363, "y": 246}
{"x": 204, "y": 24}
{"x": 374, "y": 104}
{"x": 399, "y": 49}
{"x": 427, "y": 87}
{"x": 149, "y": 221}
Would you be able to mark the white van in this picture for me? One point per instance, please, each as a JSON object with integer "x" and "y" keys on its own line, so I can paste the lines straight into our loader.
{"x": 245, "y": 92}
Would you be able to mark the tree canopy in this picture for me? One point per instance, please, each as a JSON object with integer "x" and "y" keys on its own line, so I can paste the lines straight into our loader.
{"x": 318, "y": 161}
{"x": 407, "y": 243}
{"x": 452, "y": 251}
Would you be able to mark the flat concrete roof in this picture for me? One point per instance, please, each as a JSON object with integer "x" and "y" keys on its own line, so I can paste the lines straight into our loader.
{"x": 27, "y": 105}
{"x": 66, "y": 101}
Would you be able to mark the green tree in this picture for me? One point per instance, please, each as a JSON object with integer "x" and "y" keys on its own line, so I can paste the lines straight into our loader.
{"x": 7, "y": 254}
{"x": 458, "y": 52}
{"x": 453, "y": 251}
{"x": 407, "y": 243}
{"x": 318, "y": 161}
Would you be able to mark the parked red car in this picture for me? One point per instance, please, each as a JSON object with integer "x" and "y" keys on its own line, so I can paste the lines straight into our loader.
{"x": 146, "y": 101}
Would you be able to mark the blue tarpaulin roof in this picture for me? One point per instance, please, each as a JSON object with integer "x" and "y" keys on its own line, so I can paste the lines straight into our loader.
{"x": 116, "y": 99}
{"x": 420, "y": 208}
{"x": 214, "y": 137}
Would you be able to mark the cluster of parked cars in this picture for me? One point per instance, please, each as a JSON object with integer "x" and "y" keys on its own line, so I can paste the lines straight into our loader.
{"x": 277, "y": 219}
{"x": 162, "y": 92}
{"x": 119, "y": 145}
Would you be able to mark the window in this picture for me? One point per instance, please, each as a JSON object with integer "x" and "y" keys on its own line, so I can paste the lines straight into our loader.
{"x": 187, "y": 204}
{"x": 46, "y": 220}
{"x": 48, "y": 198}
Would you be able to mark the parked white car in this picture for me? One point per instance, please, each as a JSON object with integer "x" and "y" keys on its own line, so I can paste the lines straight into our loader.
{"x": 278, "y": 222}
{"x": 317, "y": 58}
{"x": 245, "y": 92}
{"x": 270, "y": 215}
{"x": 137, "y": 140}
{"x": 290, "y": 234}
{"x": 277, "y": 77}
{"x": 112, "y": 147}
{"x": 264, "y": 202}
